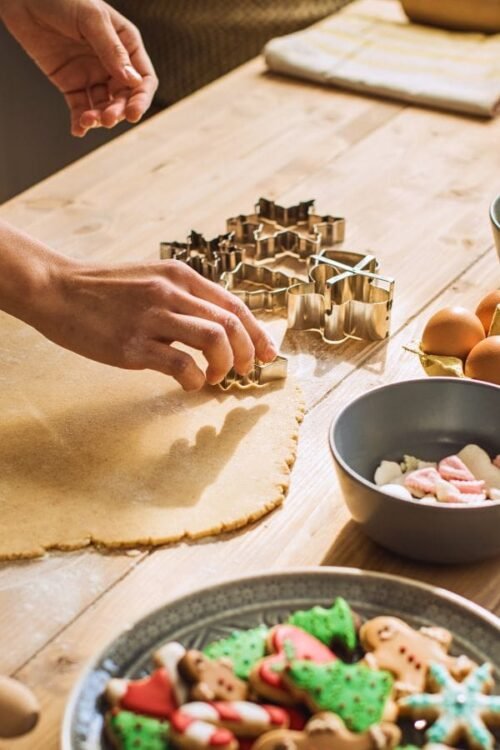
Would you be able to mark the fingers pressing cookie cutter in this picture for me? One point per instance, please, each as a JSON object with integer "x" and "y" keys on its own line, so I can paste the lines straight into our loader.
{"x": 261, "y": 375}
{"x": 259, "y": 287}
{"x": 344, "y": 298}
{"x": 274, "y": 231}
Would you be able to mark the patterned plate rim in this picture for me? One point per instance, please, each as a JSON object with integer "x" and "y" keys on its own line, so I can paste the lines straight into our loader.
{"x": 327, "y": 571}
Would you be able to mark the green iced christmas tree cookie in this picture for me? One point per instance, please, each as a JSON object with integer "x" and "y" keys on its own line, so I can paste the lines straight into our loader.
{"x": 329, "y": 625}
{"x": 354, "y": 692}
{"x": 243, "y": 647}
{"x": 131, "y": 731}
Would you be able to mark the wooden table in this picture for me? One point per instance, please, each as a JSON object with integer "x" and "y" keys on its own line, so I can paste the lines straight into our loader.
{"x": 415, "y": 187}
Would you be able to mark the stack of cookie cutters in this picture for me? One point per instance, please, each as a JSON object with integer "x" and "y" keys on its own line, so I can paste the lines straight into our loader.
{"x": 342, "y": 295}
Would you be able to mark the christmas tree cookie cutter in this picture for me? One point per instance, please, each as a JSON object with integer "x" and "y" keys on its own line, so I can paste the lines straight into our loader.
{"x": 209, "y": 258}
{"x": 259, "y": 287}
{"x": 344, "y": 298}
{"x": 274, "y": 231}
{"x": 262, "y": 374}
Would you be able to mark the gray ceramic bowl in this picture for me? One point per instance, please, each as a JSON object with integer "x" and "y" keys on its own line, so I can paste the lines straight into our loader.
{"x": 428, "y": 418}
{"x": 495, "y": 222}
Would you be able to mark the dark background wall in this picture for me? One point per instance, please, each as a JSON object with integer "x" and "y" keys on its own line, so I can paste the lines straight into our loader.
{"x": 34, "y": 125}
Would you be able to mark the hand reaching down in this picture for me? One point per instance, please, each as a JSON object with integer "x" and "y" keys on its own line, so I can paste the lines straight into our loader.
{"x": 91, "y": 53}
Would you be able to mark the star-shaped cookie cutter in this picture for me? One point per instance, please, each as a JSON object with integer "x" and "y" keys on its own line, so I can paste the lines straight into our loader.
{"x": 271, "y": 287}
{"x": 261, "y": 375}
{"x": 209, "y": 258}
{"x": 274, "y": 231}
{"x": 344, "y": 298}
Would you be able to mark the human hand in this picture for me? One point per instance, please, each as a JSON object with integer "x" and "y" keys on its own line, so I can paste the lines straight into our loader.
{"x": 91, "y": 53}
{"x": 129, "y": 316}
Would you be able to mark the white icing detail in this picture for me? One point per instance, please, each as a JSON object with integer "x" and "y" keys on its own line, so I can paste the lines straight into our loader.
{"x": 200, "y": 710}
{"x": 251, "y": 712}
{"x": 386, "y": 472}
{"x": 396, "y": 490}
{"x": 116, "y": 689}
{"x": 168, "y": 657}
{"x": 200, "y": 732}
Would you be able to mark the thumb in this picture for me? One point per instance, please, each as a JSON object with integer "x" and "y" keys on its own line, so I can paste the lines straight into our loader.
{"x": 98, "y": 30}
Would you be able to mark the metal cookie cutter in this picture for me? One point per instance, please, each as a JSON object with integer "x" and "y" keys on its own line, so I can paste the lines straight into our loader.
{"x": 210, "y": 258}
{"x": 345, "y": 298}
{"x": 262, "y": 374}
{"x": 271, "y": 287}
{"x": 274, "y": 231}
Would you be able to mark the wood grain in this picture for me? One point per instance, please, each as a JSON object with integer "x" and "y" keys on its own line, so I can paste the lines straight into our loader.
{"x": 415, "y": 187}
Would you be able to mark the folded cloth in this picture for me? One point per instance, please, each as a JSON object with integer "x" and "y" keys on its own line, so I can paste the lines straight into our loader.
{"x": 371, "y": 46}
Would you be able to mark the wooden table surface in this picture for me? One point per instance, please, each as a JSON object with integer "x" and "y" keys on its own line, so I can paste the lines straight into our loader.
{"x": 414, "y": 186}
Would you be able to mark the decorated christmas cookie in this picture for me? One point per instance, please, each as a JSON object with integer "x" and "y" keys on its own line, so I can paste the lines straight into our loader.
{"x": 285, "y": 642}
{"x": 336, "y": 625}
{"x": 128, "y": 731}
{"x": 361, "y": 696}
{"x": 211, "y": 680}
{"x": 326, "y": 731}
{"x": 243, "y": 718}
{"x": 393, "y": 645}
{"x": 168, "y": 657}
{"x": 189, "y": 733}
{"x": 153, "y": 695}
{"x": 461, "y": 710}
{"x": 243, "y": 648}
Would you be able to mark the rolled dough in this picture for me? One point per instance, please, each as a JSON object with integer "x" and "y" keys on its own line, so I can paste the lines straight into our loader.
{"x": 90, "y": 454}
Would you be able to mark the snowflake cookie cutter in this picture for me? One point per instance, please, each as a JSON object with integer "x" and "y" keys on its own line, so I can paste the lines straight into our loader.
{"x": 344, "y": 298}
{"x": 209, "y": 258}
{"x": 268, "y": 288}
{"x": 274, "y": 231}
{"x": 261, "y": 375}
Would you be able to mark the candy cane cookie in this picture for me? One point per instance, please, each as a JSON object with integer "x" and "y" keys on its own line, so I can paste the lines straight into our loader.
{"x": 188, "y": 733}
{"x": 243, "y": 718}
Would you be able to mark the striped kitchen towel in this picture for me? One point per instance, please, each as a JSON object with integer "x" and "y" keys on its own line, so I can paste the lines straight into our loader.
{"x": 371, "y": 46}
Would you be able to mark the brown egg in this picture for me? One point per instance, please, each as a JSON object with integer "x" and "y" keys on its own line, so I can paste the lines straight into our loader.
{"x": 483, "y": 363}
{"x": 452, "y": 332}
{"x": 486, "y": 309}
{"x": 19, "y": 708}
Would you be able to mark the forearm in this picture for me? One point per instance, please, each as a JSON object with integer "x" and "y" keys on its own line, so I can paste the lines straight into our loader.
{"x": 29, "y": 272}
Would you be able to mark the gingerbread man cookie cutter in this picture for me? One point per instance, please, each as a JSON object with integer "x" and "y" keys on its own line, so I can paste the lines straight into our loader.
{"x": 261, "y": 375}
{"x": 345, "y": 298}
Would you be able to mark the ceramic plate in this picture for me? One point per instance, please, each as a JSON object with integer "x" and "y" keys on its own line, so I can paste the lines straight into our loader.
{"x": 211, "y": 613}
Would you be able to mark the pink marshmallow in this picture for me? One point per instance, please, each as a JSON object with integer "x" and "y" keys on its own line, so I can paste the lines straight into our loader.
{"x": 452, "y": 467}
{"x": 422, "y": 481}
{"x": 469, "y": 487}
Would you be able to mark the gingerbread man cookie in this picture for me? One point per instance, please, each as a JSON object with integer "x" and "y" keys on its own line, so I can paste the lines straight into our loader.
{"x": 128, "y": 731}
{"x": 394, "y": 645}
{"x": 326, "y": 731}
{"x": 285, "y": 642}
{"x": 460, "y": 710}
{"x": 211, "y": 680}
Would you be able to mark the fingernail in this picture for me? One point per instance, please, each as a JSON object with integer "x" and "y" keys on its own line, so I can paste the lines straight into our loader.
{"x": 132, "y": 73}
{"x": 271, "y": 352}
